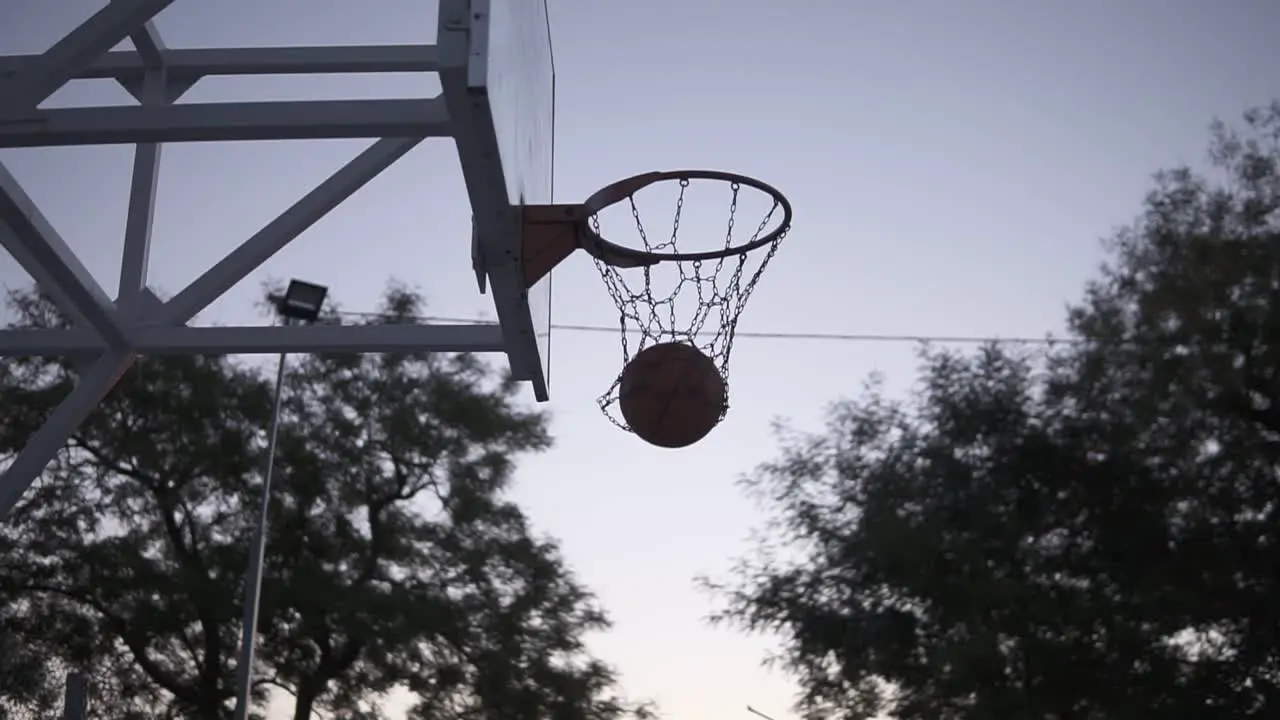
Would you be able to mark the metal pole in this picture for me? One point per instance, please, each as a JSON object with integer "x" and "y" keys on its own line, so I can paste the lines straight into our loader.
{"x": 757, "y": 712}
{"x": 75, "y": 702}
{"x": 253, "y": 576}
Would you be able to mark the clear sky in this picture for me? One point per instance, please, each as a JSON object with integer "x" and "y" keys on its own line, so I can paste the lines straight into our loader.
{"x": 953, "y": 165}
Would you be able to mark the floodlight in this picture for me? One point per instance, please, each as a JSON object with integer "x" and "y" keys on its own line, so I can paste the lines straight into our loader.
{"x": 302, "y": 301}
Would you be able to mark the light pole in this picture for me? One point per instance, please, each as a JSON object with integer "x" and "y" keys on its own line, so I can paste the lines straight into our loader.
{"x": 300, "y": 303}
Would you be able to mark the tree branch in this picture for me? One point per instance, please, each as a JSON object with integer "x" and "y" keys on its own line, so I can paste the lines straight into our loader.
{"x": 137, "y": 646}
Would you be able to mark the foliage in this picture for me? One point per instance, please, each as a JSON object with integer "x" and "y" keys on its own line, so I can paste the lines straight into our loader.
{"x": 394, "y": 560}
{"x": 1084, "y": 533}
{"x": 28, "y": 684}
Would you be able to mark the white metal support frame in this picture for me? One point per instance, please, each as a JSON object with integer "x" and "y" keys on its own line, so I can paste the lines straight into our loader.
{"x": 108, "y": 332}
{"x": 495, "y": 217}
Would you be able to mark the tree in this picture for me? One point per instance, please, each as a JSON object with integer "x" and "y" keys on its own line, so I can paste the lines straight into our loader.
{"x": 1087, "y": 532}
{"x": 28, "y": 685}
{"x": 394, "y": 560}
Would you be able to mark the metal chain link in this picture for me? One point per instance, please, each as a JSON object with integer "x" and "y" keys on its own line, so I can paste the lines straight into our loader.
{"x": 656, "y": 318}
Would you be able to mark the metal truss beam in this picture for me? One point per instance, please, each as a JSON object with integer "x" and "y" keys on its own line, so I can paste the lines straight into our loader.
{"x": 495, "y": 218}
{"x": 221, "y": 340}
{"x": 44, "y": 75}
{"x": 21, "y": 342}
{"x": 135, "y": 256}
{"x": 106, "y": 335}
{"x": 157, "y": 328}
{"x": 160, "y": 340}
{"x": 44, "y": 254}
{"x": 309, "y": 120}
{"x": 192, "y": 63}
{"x": 277, "y": 234}
{"x": 44, "y": 279}
{"x": 149, "y": 45}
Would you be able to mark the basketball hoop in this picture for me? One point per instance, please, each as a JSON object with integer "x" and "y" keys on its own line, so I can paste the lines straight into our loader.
{"x": 665, "y": 292}
{"x": 620, "y": 256}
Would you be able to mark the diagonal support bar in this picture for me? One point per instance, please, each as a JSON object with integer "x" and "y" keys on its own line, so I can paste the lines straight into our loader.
{"x": 45, "y": 256}
{"x": 149, "y": 45}
{"x": 271, "y": 239}
{"x": 44, "y": 281}
{"x": 43, "y": 446}
{"x": 62, "y": 62}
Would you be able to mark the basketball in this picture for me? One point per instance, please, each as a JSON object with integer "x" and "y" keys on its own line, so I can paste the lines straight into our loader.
{"x": 671, "y": 395}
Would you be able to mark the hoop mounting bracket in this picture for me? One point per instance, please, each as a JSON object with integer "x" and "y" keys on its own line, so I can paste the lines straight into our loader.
{"x": 550, "y": 233}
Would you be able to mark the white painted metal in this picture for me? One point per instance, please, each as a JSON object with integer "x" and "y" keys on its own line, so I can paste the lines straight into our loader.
{"x": 211, "y": 122}
{"x": 45, "y": 256}
{"x": 46, "y": 73}
{"x": 195, "y": 63}
{"x": 237, "y": 265}
{"x": 134, "y": 259}
{"x": 147, "y": 338}
{"x": 470, "y": 54}
{"x": 109, "y": 333}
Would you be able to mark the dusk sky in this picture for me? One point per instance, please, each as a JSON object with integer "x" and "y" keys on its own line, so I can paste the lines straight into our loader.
{"x": 953, "y": 166}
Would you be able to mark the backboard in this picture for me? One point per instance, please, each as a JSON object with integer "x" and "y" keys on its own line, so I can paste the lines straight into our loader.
{"x": 511, "y": 82}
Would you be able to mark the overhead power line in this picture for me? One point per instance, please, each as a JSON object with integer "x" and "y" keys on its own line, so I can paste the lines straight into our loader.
{"x": 797, "y": 336}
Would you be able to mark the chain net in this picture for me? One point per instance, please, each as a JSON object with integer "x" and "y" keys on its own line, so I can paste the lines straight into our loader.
{"x": 697, "y": 302}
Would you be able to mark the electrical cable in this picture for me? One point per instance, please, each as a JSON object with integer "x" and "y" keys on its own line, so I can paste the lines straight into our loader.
{"x": 795, "y": 336}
